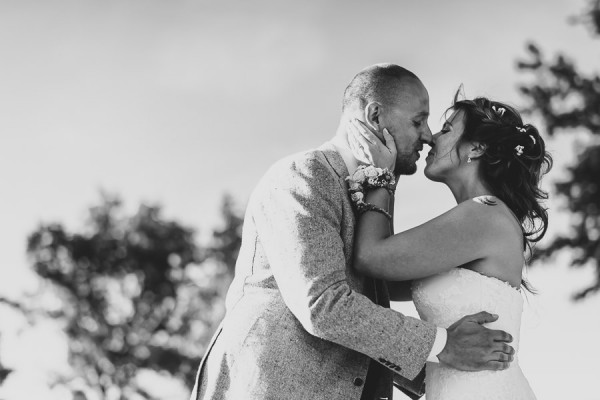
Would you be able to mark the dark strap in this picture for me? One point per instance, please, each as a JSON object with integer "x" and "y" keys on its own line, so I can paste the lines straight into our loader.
{"x": 412, "y": 388}
{"x": 378, "y": 382}
{"x": 379, "y": 378}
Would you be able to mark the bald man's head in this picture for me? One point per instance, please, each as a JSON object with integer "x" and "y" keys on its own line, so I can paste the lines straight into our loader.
{"x": 381, "y": 83}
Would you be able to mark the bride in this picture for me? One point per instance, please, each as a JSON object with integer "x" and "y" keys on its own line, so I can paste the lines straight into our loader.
{"x": 471, "y": 257}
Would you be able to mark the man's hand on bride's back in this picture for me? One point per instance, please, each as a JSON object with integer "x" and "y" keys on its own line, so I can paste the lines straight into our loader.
{"x": 473, "y": 347}
{"x": 368, "y": 148}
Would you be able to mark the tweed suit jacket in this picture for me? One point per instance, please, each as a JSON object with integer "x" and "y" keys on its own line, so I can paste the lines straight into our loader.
{"x": 300, "y": 322}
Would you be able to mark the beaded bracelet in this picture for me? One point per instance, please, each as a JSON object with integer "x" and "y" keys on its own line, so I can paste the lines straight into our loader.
{"x": 370, "y": 177}
{"x": 363, "y": 207}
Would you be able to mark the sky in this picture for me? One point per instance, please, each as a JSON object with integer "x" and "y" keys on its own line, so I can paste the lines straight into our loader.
{"x": 178, "y": 102}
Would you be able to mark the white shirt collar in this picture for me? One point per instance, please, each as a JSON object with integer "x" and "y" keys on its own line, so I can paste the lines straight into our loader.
{"x": 342, "y": 148}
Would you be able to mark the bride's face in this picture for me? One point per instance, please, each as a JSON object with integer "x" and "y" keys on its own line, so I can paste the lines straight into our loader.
{"x": 447, "y": 156}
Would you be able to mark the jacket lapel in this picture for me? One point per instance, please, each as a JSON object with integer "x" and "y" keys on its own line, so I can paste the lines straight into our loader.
{"x": 376, "y": 289}
{"x": 336, "y": 161}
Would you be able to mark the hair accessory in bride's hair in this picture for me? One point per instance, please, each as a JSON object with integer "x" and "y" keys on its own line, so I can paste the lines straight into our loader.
{"x": 521, "y": 129}
{"x": 519, "y": 150}
{"x": 532, "y": 139}
{"x": 500, "y": 111}
{"x": 369, "y": 177}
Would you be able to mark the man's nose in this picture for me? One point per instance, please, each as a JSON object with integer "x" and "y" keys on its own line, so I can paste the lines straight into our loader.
{"x": 426, "y": 136}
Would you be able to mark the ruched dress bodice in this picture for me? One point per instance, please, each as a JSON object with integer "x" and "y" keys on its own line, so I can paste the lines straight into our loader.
{"x": 445, "y": 298}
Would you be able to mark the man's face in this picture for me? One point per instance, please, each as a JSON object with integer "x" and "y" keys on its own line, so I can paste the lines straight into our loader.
{"x": 406, "y": 120}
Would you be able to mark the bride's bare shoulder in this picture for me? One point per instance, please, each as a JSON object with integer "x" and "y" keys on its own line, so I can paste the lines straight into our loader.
{"x": 504, "y": 237}
{"x": 500, "y": 216}
{"x": 491, "y": 221}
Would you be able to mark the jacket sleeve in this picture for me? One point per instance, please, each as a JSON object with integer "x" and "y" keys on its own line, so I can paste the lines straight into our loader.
{"x": 298, "y": 217}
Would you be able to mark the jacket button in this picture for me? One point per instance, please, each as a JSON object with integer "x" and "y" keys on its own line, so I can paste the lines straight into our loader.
{"x": 358, "y": 382}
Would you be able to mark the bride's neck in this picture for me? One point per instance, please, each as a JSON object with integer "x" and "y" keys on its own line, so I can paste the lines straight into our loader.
{"x": 467, "y": 187}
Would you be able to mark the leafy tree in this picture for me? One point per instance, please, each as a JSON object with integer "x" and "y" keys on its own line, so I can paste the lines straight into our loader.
{"x": 4, "y": 372}
{"x": 135, "y": 293}
{"x": 228, "y": 239}
{"x": 569, "y": 101}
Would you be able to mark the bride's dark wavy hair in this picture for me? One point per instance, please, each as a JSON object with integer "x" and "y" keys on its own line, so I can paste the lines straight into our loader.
{"x": 514, "y": 160}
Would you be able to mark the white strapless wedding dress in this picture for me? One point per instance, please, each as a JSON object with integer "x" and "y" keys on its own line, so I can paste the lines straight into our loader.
{"x": 445, "y": 298}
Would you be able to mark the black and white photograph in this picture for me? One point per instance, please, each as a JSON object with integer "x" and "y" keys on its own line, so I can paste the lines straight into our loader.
{"x": 265, "y": 200}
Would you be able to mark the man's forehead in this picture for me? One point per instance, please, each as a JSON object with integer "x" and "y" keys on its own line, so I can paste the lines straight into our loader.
{"x": 418, "y": 106}
{"x": 413, "y": 97}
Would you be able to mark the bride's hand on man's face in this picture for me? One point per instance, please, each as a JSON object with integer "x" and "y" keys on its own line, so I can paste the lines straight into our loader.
{"x": 367, "y": 147}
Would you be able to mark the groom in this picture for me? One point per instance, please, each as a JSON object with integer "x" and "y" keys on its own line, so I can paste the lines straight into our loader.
{"x": 301, "y": 323}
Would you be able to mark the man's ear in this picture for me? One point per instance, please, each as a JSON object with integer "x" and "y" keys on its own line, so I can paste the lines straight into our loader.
{"x": 373, "y": 115}
{"x": 476, "y": 150}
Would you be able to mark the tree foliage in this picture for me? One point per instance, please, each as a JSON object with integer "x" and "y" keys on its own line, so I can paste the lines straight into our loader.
{"x": 568, "y": 101}
{"x": 134, "y": 293}
{"x": 4, "y": 372}
{"x": 228, "y": 239}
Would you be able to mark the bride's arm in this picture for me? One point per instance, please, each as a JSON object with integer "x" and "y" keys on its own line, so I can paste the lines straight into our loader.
{"x": 461, "y": 235}
{"x": 454, "y": 238}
